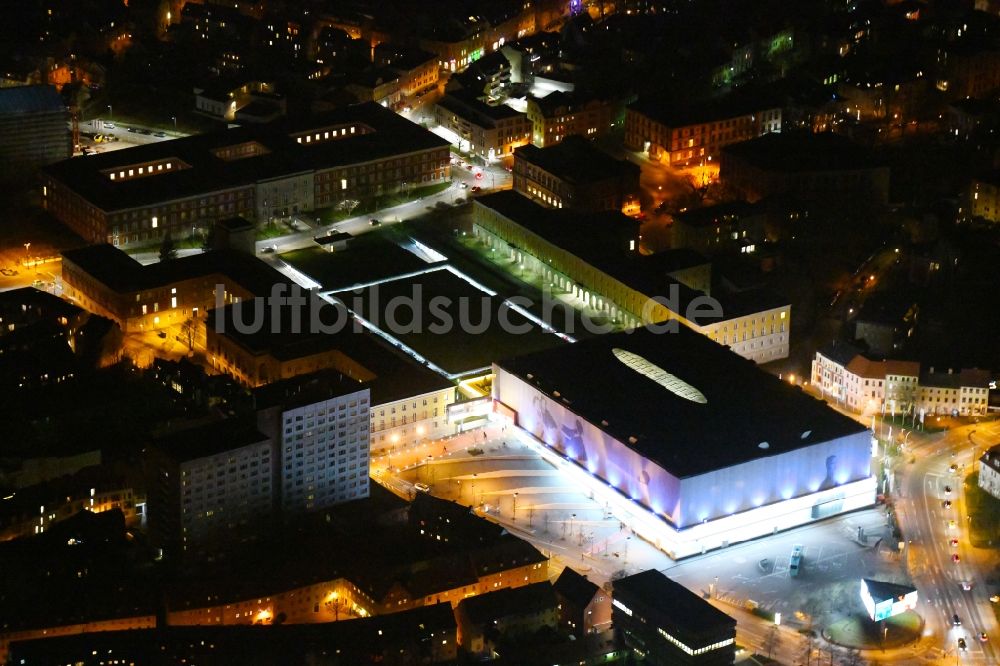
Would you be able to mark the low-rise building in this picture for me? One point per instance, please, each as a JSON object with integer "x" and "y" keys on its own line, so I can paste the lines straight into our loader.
{"x": 409, "y": 402}
{"x": 488, "y": 132}
{"x": 560, "y": 114}
{"x": 861, "y": 384}
{"x": 584, "y": 607}
{"x": 488, "y": 78}
{"x": 989, "y": 471}
{"x": 818, "y": 168}
{"x": 484, "y": 619}
{"x": 224, "y": 101}
{"x": 261, "y": 172}
{"x": 108, "y": 282}
{"x": 692, "y": 136}
{"x": 594, "y": 259}
{"x": 378, "y": 84}
{"x": 277, "y": 349}
{"x": 417, "y": 70}
{"x": 858, "y": 383}
{"x": 666, "y": 624}
{"x": 423, "y": 635}
{"x": 982, "y": 198}
{"x": 33, "y": 509}
{"x": 962, "y": 393}
{"x": 736, "y": 227}
{"x": 575, "y": 174}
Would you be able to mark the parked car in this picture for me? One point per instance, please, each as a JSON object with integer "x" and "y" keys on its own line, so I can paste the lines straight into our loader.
{"x": 109, "y": 126}
{"x": 270, "y": 249}
{"x": 962, "y": 645}
{"x": 373, "y": 222}
{"x": 422, "y": 487}
{"x": 160, "y": 135}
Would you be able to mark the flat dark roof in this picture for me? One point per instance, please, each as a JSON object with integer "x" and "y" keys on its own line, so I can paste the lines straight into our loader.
{"x": 881, "y": 590}
{"x": 679, "y": 605}
{"x": 599, "y": 239}
{"x": 305, "y": 390}
{"x": 798, "y": 152}
{"x": 123, "y": 274}
{"x": 284, "y": 156}
{"x": 460, "y": 349}
{"x": 19, "y": 100}
{"x": 577, "y": 160}
{"x": 673, "y": 115}
{"x": 724, "y": 213}
{"x": 191, "y": 442}
{"x": 467, "y": 105}
{"x": 744, "y": 405}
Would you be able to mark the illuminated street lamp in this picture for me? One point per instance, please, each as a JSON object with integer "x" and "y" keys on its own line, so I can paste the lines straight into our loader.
{"x": 514, "y": 512}
{"x": 111, "y": 113}
{"x": 174, "y": 118}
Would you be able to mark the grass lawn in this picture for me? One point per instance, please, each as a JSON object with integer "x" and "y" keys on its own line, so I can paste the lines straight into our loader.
{"x": 984, "y": 509}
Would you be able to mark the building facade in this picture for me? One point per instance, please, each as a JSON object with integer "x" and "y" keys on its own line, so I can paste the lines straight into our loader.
{"x": 210, "y": 485}
{"x": 756, "y": 328}
{"x": 34, "y": 130}
{"x": 265, "y": 172}
{"x": 860, "y": 384}
{"x": 561, "y": 114}
{"x": 488, "y": 132}
{"x": 665, "y": 624}
{"x": 576, "y": 175}
{"x": 106, "y": 281}
{"x": 690, "y": 139}
{"x": 989, "y": 471}
{"x": 319, "y": 424}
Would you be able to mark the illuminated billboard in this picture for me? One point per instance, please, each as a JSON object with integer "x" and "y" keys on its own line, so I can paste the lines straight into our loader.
{"x": 884, "y": 600}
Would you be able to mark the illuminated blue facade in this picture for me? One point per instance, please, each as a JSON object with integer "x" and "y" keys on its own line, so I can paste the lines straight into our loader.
{"x": 826, "y": 477}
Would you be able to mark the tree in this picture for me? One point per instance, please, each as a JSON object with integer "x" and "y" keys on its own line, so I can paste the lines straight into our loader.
{"x": 168, "y": 250}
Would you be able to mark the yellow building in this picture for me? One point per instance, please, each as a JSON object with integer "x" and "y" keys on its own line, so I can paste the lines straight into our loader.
{"x": 595, "y": 262}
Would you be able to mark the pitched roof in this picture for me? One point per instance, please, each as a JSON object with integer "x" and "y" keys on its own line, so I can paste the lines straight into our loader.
{"x": 575, "y": 587}
{"x": 483, "y": 609}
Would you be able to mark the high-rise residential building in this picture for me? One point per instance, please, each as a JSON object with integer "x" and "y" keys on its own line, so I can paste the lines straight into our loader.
{"x": 319, "y": 424}
{"x": 34, "y": 129}
{"x": 210, "y": 484}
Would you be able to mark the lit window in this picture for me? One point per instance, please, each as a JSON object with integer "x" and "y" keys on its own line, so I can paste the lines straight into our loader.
{"x": 343, "y": 183}
{"x": 155, "y": 221}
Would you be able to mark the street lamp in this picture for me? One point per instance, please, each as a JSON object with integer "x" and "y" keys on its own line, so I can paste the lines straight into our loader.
{"x": 514, "y": 512}
{"x": 174, "y": 118}
{"x": 111, "y": 113}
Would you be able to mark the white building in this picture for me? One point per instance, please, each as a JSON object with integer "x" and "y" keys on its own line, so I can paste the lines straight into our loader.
{"x": 962, "y": 393}
{"x": 687, "y": 443}
{"x": 989, "y": 471}
{"x": 213, "y": 484}
{"x": 853, "y": 381}
{"x": 319, "y": 424}
{"x": 850, "y": 379}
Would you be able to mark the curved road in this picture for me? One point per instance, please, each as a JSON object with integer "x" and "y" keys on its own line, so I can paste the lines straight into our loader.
{"x": 930, "y": 528}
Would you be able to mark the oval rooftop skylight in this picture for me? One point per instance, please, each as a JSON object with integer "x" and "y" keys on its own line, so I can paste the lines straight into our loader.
{"x": 675, "y": 385}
